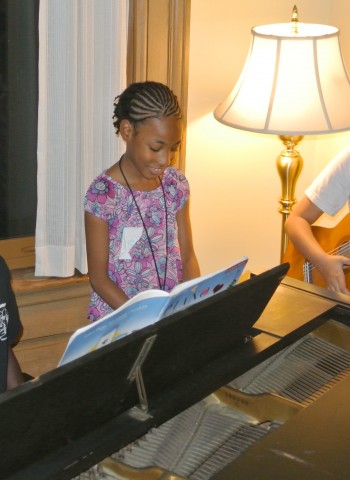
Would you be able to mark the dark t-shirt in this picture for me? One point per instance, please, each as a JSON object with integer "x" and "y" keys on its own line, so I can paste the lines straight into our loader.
{"x": 10, "y": 324}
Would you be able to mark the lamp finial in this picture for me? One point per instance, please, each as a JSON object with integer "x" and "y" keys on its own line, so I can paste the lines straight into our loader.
{"x": 295, "y": 20}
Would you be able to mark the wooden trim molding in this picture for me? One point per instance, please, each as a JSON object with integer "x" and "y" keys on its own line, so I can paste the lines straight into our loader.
{"x": 18, "y": 252}
{"x": 158, "y": 47}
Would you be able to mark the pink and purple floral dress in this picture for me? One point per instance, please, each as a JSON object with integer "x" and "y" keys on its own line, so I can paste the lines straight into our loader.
{"x": 131, "y": 264}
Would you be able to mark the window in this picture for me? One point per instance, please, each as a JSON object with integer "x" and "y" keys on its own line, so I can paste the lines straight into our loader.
{"x": 18, "y": 107}
{"x": 158, "y": 50}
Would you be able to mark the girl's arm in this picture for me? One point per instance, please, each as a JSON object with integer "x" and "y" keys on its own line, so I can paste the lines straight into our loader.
{"x": 190, "y": 266}
{"x": 298, "y": 228}
{"x": 96, "y": 231}
{"x": 14, "y": 374}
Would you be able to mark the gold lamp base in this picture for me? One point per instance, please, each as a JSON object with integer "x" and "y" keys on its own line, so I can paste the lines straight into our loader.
{"x": 289, "y": 165}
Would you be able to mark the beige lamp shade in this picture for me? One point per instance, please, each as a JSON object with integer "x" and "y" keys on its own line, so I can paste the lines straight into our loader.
{"x": 293, "y": 83}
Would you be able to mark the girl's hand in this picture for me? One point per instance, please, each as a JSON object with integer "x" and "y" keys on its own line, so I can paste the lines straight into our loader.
{"x": 331, "y": 268}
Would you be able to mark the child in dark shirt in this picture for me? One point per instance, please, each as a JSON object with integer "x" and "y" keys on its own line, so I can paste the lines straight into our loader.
{"x": 10, "y": 330}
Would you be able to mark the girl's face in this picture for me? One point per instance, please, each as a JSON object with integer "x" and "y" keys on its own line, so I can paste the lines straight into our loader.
{"x": 152, "y": 146}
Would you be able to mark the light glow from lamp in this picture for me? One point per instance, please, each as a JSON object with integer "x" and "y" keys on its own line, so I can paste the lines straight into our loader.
{"x": 294, "y": 83}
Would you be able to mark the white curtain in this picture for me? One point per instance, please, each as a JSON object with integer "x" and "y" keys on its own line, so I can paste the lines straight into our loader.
{"x": 82, "y": 67}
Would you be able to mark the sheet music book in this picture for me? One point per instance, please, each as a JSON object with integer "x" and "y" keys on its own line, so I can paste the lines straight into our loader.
{"x": 148, "y": 307}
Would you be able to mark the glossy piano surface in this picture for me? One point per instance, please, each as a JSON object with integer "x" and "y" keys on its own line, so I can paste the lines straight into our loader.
{"x": 255, "y": 426}
{"x": 67, "y": 421}
{"x": 313, "y": 446}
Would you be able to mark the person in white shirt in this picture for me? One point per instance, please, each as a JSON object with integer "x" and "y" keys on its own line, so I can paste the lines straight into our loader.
{"x": 328, "y": 193}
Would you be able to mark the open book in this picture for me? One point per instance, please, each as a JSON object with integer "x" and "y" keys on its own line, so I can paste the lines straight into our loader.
{"x": 149, "y": 307}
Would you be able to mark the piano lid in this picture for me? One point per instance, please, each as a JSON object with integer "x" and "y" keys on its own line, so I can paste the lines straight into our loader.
{"x": 67, "y": 420}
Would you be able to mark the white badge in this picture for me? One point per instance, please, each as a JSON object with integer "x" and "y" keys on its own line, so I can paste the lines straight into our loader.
{"x": 130, "y": 236}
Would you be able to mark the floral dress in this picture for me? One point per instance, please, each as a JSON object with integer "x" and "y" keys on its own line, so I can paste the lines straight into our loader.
{"x": 132, "y": 254}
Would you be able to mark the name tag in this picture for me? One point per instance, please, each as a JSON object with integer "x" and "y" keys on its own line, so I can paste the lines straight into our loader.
{"x": 130, "y": 236}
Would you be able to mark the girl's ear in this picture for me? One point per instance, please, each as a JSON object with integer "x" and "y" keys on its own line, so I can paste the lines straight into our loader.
{"x": 125, "y": 129}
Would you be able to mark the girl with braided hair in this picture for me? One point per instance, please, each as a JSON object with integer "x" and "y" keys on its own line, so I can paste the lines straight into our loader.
{"x": 137, "y": 222}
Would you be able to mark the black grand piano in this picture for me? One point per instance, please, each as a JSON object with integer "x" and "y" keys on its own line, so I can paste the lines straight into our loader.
{"x": 251, "y": 383}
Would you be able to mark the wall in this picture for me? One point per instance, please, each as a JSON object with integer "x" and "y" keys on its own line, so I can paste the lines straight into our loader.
{"x": 234, "y": 183}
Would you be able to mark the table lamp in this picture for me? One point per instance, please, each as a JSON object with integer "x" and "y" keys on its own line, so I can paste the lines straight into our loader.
{"x": 294, "y": 83}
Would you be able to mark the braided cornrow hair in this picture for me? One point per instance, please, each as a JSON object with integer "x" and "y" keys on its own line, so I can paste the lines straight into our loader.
{"x": 143, "y": 100}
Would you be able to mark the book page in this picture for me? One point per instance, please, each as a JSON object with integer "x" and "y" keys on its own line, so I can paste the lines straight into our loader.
{"x": 194, "y": 291}
{"x": 148, "y": 307}
{"x": 138, "y": 312}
